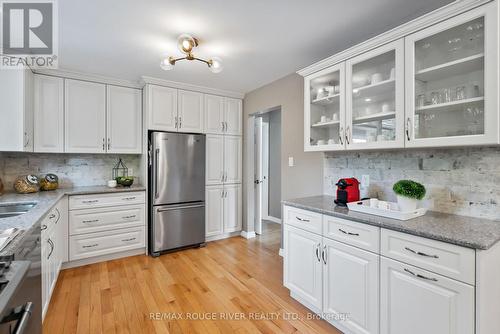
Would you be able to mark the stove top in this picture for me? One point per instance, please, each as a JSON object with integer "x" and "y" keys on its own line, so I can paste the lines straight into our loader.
{"x": 5, "y": 263}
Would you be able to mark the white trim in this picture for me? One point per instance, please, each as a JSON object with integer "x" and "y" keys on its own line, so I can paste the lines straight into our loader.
{"x": 69, "y": 74}
{"x": 103, "y": 258}
{"x": 272, "y": 219}
{"x": 202, "y": 89}
{"x": 436, "y": 16}
{"x": 222, "y": 236}
{"x": 281, "y": 252}
{"x": 248, "y": 235}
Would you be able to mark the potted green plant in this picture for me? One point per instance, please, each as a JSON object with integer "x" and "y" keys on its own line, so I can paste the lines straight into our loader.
{"x": 408, "y": 193}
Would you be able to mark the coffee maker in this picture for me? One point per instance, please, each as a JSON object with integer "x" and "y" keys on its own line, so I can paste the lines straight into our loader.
{"x": 347, "y": 191}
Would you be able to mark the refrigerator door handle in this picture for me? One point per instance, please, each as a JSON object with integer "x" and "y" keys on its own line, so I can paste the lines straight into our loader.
{"x": 181, "y": 207}
{"x": 157, "y": 154}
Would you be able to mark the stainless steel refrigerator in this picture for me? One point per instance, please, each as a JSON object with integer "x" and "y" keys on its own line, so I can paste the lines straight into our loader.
{"x": 177, "y": 191}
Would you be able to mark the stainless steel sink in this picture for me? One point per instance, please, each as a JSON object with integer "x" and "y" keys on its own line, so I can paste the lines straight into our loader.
{"x": 15, "y": 209}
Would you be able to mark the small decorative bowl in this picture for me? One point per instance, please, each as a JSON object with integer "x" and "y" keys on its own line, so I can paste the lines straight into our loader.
{"x": 125, "y": 181}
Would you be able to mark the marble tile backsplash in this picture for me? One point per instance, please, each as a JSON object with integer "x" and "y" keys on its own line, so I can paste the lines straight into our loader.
{"x": 72, "y": 169}
{"x": 464, "y": 181}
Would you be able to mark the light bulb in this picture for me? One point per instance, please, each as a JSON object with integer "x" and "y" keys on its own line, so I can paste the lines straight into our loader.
{"x": 166, "y": 64}
{"x": 216, "y": 65}
{"x": 186, "y": 43}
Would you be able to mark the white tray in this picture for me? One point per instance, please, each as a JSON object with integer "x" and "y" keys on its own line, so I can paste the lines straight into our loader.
{"x": 393, "y": 212}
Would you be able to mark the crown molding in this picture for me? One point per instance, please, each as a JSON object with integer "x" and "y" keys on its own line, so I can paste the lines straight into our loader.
{"x": 405, "y": 29}
{"x": 180, "y": 85}
{"x": 69, "y": 74}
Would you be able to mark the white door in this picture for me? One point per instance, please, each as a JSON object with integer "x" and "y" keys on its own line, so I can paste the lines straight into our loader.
{"x": 85, "y": 117}
{"x": 415, "y": 301}
{"x": 452, "y": 81}
{"x": 303, "y": 266}
{"x": 48, "y": 114}
{"x": 232, "y": 208}
{"x": 161, "y": 106}
{"x": 214, "y": 159}
{"x": 233, "y": 115}
{"x": 351, "y": 287}
{"x": 375, "y": 98}
{"x": 324, "y": 110}
{"x": 232, "y": 159}
{"x": 214, "y": 197}
{"x": 190, "y": 111}
{"x": 258, "y": 177}
{"x": 124, "y": 120}
{"x": 214, "y": 114}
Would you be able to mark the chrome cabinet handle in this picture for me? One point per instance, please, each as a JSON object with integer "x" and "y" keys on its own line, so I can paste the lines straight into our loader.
{"x": 52, "y": 216}
{"x": 302, "y": 219}
{"x": 58, "y": 216}
{"x": 226, "y": 126}
{"x": 221, "y": 176}
{"x": 109, "y": 143}
{"x": 317, "y": 252}
{"x": 347, "y": 133}
{"x": 128, "y": 217}
{"x": 129, "y": 239}
{"x": 91, "y": 201}
{"x": 180, "y": 122}
{"x": 341, "y": 133}
{"x": 27, "y": 139}
{"x": 157, "y": 154}
{"x": 323, "y": 254}
{"x": 128, "y": 198}
{"x": 176, "y": 122}
{"x": 90, "y": 221}
{"x": 408, "y": 125}
{"x": 349, "y": 233}
{"x": 420, "y": 276}
{"x": 43, "y": 227}
{"x": 222, "y": 126}
{"x": 103, "y": 144}
{"x": 420, "y": 253}
{"x": 51, "y": 248}
{"x": 225, "y": 176}
{"x": 90, "y": 246}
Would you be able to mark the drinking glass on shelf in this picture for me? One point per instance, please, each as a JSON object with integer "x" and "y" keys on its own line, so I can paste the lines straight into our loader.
{"x": 446, "y": 95}
{"x": 455, "y": 46}
{"x": 460, "y": 92}
{"x": 435, "y": 97}
{"x": 420, "y": 100}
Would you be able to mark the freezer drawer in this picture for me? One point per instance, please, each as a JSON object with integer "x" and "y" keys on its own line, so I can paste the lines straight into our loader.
{"x": 177, "y": 226}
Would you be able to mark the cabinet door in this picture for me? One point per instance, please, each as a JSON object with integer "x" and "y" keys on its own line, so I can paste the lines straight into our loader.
{"x": 233, "y": 117}
{"x": 452, "y": 81}
{"x": 61, "y": 226}
{"x": 232, "y": 159}
{"x": 214, "y": 210}
{"x": 190, "y": 111}
{"x": 351, "y": 287}
{"x": 232, "y": 208}
{"x": 303, "y": 266}
{"x": 324, "y": 110}
{"x": 214, "y": 159}
{"x": 48, "y": 114}
{"x": 375, "y": 98}
{"x": 85, "y": 117}
{"x": 214, "y": 114}
{"x": 415, "y": 301}
{"x": 124, "y": 120}
{"x": 161, "y": 106}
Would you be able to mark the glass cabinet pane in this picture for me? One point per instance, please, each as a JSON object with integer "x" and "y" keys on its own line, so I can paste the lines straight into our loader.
{"x": 449, "y": 82}
{"x": 373, "y": 99}
{"x": 325, "y": 109}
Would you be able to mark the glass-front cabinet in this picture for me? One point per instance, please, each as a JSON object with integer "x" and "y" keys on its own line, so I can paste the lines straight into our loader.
{"x": 451, "y": 88}
{"x": 325, "y": 110}
{"x": 375, "y": 98}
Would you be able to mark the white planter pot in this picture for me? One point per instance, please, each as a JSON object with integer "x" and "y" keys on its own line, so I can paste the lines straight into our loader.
{"x": 407, "y": 204}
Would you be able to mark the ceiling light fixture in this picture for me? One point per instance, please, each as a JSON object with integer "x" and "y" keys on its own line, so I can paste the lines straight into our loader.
{"x": 186, "y": 43}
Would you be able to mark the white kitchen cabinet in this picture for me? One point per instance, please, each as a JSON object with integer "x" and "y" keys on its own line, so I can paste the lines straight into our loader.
{"x": 190, "y": 111}
{"x": 214, "y": 159}
{"x": 233, "y": 116}
{"x": 232, "y": 208}
{"x": 16, "y": 96}
{"x": 351, "y": 287}
{"x": 161, "y": 106}
{"x": 85, "y": 117}
{"x": 48, "y": 114}
{"x": 303, "y": 266}
{"x": 415, "y": 301}
{"x": 452, "y": 81}
{"x": 375, "y": 98}
{"x": 232, "y": 159}
{"x": 124, "y": 120}
{"x": 214, "y": 211}
{"x": 214, "y": 114}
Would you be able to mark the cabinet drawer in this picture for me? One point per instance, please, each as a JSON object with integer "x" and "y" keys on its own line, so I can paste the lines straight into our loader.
{"x": 446, "y": 259}
{"x": 103, "y": 200}
{"x": 102, "y": 243}
{"x": 306, "y": 220}
{"x": 355, "y": 234}
{"x": 97, "y": 220}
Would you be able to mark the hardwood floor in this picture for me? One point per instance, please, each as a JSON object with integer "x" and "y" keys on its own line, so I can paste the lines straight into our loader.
{"x": 229, "y": 286}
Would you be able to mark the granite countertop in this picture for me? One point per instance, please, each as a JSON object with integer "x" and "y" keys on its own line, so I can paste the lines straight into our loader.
{"x": 46, "y": 200}
{"x": 464, "y": 231}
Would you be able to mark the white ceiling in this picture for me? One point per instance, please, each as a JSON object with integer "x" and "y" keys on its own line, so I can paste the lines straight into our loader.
{"x": 259, "y": 41}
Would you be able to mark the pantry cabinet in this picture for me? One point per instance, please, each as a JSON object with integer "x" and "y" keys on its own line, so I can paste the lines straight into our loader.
{"x": 161, "y": 106}
{"x": 224, "y": 159}
{"x": 223, "y": 115}
{"x": 233, "y": 116}
{"x": 223, "y": 209}
{"x": 190, "y": 112}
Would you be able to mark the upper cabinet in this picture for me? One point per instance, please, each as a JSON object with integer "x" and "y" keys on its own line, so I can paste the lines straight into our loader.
{"x": 233, "y": 111}
{"x": 223, "y": 115}
{"x": 452, "y": 81}
{"x": 375, "y": 98}
{"x": 48, "y": 113}
{"x": 16, "y": 127}
{"x": 161, "y": 106}
{"x": 190, "y": 111}
{"x": 85, "y": 117}
{"x": 124, "y": 121}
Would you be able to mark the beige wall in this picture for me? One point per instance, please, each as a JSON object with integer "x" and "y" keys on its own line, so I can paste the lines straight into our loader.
{"x": 306, "y": 177}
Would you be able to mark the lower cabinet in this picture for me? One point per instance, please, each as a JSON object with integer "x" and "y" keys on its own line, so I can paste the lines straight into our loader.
{"x": 415, "y": 301}
{"x": 223, "y": 209}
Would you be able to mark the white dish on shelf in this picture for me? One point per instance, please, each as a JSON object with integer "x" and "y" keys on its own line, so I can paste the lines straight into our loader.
{"x": 392, "y": 212}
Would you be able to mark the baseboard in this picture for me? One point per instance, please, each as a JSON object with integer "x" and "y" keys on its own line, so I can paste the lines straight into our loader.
{"x": 248, "y": 235}
{"x": 272, "y": 219}
{"x": 102, "y": 258}
{"x": 222, "y": 236}
{"x": 282, "y": 252}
